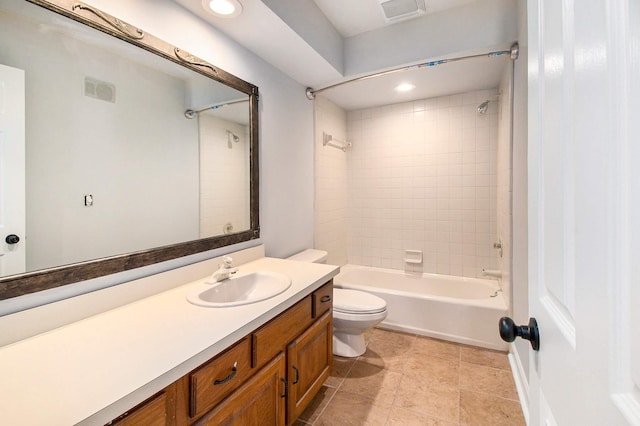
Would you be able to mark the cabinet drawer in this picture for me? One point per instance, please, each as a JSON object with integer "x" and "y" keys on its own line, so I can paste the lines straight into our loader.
{"x": 219, "y": 377}
{"x": 322, "y": 299}
{"x": 260, "y": 401}
{"x": 276, "y": 334}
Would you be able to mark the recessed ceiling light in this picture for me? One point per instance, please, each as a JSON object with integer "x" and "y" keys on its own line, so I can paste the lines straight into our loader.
{"x": 405, "y": 87}
{"x": 223, "y": 8}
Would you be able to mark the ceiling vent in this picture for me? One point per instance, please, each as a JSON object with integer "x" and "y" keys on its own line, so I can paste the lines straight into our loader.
{"x": 99, "y": 90}
{"x": 399, "y": 10}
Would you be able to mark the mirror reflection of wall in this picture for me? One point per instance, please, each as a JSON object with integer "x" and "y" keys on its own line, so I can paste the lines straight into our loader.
{"x": 224, "y": 175}
{"x": 105, "y": 121}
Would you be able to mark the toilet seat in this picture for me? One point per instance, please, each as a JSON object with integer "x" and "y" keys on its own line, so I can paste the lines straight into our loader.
{"x": 357, "y": 302}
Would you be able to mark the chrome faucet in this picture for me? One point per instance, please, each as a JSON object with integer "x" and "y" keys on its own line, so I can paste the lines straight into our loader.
{"x": 225, "y": 270}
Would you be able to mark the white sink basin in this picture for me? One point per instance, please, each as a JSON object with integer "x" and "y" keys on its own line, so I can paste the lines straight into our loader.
{"x": 241, "y": 290}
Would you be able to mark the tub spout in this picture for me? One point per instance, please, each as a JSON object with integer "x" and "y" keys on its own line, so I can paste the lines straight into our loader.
{"x": 493, "y": 273}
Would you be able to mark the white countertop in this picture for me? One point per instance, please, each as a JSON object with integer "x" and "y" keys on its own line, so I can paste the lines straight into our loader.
{"x": 93, "y": 370}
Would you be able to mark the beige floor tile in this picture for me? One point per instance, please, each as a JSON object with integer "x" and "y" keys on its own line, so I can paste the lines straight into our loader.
{"x": 390, "y": 337}
{"x": 371, "y": 381}
{"x": 341, "y": 367}
{"x": 428, "y": 398}
{"x": 432, "y": 369}
{"x": 436, "y": 348}
{"x": 487, "y": 380}
{"x": 347, "y": 409}
{"x": 389, "y": 355}
{"x": 318, "y": 404}
{"x": 485, "y": 357}
{"x": 368, "y": 334}
{"x": 482, "y": 409}
{"x": 403, "y": 379}
{"x": 402, "y": 416}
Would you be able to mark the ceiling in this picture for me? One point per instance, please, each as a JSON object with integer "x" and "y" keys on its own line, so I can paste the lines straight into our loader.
{"x": 353, "y": 17}
{"x": 323, "y": 42}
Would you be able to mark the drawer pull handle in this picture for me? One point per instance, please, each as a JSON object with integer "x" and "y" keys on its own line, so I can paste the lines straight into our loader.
{"x": 297, "y": 374}
{"x": 229, "y": 377}
{"x": 284, "y": 395}
{"x": 325, "y": 299}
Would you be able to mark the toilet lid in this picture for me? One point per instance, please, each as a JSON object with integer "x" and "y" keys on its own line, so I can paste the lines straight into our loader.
{"x": 357, "y": 302}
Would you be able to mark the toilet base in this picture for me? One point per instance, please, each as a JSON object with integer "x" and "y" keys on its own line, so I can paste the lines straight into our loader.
{"x": 348, "y": 345}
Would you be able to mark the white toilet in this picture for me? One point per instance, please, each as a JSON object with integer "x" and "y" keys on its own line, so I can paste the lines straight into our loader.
{"x": 354, "y": 312}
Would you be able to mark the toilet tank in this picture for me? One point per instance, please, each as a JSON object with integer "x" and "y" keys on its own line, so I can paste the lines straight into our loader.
{"x": 311, "y": 256}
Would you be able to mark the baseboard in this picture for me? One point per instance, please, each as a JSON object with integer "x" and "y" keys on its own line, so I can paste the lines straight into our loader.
{"x": 520, "y": 377}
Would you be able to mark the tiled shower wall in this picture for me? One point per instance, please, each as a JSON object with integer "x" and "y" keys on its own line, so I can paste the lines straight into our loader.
{"x": 422, "y": 176}
{"x": 330, "y": 182}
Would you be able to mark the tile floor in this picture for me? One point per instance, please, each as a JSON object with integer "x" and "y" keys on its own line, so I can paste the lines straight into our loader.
{"x": 404, "y": 379}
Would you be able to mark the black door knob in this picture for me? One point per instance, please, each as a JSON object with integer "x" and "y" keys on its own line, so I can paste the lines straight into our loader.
{"x": 509, "y": 331}
{"x": 12, "y": 239}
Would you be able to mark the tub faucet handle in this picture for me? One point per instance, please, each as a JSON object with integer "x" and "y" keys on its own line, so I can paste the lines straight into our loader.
{"x": 498, "y": 246}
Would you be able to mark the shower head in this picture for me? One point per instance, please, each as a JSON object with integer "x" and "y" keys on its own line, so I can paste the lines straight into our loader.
{"x": 482, "y": 108}
{"x": 232, "y": 138}
{"x": 192, "y": 113}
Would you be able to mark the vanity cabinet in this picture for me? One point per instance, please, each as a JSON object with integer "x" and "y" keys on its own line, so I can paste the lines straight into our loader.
{"x": 159, "y": 410}
{"x": 260, "y": 401}
{"x": 309, "y": 361}
{"x": 216, "y": 379}
{"x": 268, "y": 377}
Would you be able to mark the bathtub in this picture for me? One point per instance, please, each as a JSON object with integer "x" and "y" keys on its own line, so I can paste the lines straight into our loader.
{"x": 458, "y": 309}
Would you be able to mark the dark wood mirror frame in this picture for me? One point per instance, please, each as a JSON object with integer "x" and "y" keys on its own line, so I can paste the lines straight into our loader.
{"x": 31, "y": 282}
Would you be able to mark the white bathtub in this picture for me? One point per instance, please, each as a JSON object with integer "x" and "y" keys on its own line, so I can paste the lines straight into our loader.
{"x": 458, "y": 309}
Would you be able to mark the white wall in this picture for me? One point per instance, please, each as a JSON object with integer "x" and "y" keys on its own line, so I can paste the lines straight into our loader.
{"x": 286, "y": 134}
{"x": 472, "y": 28}
{"x": 422, "y": 176}
{"x": 503, "y": 187}
{"x": 331, "y": 182}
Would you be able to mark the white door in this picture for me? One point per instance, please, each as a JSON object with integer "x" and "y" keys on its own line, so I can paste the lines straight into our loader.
{"x": 584, "y": 211}
{"x": 12, "y": 171}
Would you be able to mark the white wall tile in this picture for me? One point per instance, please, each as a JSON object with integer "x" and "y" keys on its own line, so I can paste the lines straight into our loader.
{"x": 423, "y": 170}
{"x": 331, "y": 179}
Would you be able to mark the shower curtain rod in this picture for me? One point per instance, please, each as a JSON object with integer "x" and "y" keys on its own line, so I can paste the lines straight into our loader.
{"x": 192, "y": 113}
{"x": 512, "y": 52}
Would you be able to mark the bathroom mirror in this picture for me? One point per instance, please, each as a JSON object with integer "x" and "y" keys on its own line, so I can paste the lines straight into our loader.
{"x": 134, "y": 151}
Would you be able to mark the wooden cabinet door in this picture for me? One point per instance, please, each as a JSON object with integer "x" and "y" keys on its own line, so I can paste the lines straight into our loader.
{"x": 309, "y": 362}
{"x": 159, "y": 410}
{"x": 260, "y": 401}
